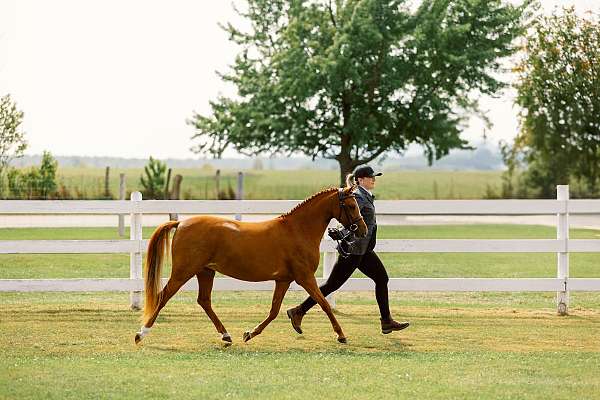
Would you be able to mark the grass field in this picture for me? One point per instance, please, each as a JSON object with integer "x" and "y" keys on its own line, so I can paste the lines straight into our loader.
{"x": 271, "y": 184}
{"x": 460, "y": 345}
{"x": 468, "y": 346}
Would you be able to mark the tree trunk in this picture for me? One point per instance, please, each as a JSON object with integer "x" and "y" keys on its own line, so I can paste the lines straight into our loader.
{"x": 347, "y": 165}
{"x": 345, "y": 169}
{"x": 346, "y": 162}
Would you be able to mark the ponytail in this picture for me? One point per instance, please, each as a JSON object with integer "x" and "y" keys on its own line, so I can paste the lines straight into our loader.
{"x": 350, "y": 181}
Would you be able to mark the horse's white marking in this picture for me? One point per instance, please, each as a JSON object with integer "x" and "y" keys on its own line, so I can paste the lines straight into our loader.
{"x": 231, "y": 225}
{"x": 225, "y": 335}
{"x": 144, "y": 332}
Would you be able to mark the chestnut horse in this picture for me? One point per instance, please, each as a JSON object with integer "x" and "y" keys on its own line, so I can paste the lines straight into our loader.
{"x": 283, "y": 249}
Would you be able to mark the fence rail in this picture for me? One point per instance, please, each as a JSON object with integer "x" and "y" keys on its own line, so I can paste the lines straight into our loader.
{"x": 135, "y": 246}
{"x": 269, "y": 207}
{"x": 327, "y": 246}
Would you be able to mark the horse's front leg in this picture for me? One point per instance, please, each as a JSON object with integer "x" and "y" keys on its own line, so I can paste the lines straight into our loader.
{"x": 309, "y": 283}
{"x": 281, "y": 288}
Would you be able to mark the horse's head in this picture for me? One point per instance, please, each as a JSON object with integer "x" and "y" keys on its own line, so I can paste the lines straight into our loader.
{"x": 348, "y": 213}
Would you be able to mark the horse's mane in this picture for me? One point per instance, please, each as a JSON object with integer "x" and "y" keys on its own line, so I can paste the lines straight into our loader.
{"x": 328, "y": 190}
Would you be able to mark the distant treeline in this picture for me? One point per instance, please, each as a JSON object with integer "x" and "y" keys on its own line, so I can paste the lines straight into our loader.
{"x": 484, "y": 158}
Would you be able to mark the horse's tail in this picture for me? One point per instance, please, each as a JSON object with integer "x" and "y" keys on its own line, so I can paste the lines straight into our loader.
{"x": 158, "y": 247}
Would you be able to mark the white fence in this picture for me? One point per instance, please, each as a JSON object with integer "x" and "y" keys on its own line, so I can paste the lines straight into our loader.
{"x": 562, "y": 207}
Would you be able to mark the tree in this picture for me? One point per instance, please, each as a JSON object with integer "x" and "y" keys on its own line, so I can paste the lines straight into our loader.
{"x": 351, "y": 80}
{"x": 154, "y": 182}
{"x": 12, "y": 139}
{"x": 34, "y": 183}
{"x": 47, "y": 181}
{"x": 559, "y": 93}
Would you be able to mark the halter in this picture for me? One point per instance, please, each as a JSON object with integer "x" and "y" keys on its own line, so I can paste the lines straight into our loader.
{"x": 341, "y": 197}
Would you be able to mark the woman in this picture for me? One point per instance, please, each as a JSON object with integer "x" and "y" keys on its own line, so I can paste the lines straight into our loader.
{"x": 361, "y": 256}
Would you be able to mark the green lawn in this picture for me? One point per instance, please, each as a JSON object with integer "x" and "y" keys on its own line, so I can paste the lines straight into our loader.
{"x": 299, "y": 184}
{"x": 460, "y": 345}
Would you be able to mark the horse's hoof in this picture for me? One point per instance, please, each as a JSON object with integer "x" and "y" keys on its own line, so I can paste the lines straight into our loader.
{"x": 247, "y": 336}
{"x": 342, "y": 339}
{"x": 138, "y": 338}
{"x": 226, "y": 338}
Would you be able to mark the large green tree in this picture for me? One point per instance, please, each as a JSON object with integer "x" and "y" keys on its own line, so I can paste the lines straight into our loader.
{"x": 559, "y": 92}
{"x": 353, "y": 79}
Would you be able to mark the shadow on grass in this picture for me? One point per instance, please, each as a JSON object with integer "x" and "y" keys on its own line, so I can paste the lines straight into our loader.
{"x": 394, "y": 346}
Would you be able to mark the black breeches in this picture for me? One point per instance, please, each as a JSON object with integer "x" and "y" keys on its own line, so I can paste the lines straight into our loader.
{"x": 370, "y": 265}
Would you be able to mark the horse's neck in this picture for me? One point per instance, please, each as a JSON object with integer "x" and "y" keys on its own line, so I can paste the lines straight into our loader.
{"x": 312, "y": 218}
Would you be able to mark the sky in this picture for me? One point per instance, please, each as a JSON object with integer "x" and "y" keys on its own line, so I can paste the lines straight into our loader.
{"x": 119, "y": 78}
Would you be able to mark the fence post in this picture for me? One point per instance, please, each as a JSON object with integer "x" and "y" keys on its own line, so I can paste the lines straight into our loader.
{"x": 135, "y": 258}
{"x": 175, "y": 194}
{"x": 121, "y": 197}
{"x": 218, "y": 184}
{"x": 562, "y": 232}
{"x": 167, "y": 194}
{"x": 106, "y": 183}
{"x": 239, "y": 195}
{"x": 328, "y": 262}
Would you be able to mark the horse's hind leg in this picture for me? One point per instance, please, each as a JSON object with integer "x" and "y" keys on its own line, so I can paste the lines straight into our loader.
{"x": 309, "y": 283}
{"x": 179, "y": 276}
{"x": 172, "y": 286}
{"x": 205, "y": 284}
{"x": 278, "y": 295}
